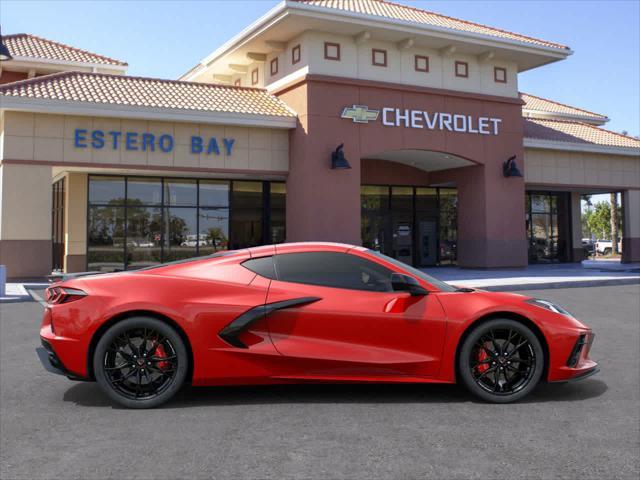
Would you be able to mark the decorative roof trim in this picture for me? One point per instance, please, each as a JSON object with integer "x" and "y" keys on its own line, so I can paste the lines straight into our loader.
{"x": 286, "y": 7}
{"x": 546, "y": 115}
{"x": 109, "y": 60}
{"x": 533, "y": 40}
{"x": 580, "y": 147}
{"x": 93, "y": 109}
{"x": 582, "y": 110}
{"x": 36, "y": 61}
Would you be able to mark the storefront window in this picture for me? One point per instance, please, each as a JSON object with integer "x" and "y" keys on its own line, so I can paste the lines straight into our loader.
{"x": 181, "y": 193}
{"x": 427, "y": 226}
{"x": 448, "y": 230}
{"x": 214, "y": 230}
{"x": 246, "y": 218}
{"x": 105, "y": 238}
{"x": 144, "y": 236}
{"x": 106, "y": 190}
{"x": 180, "y": 233}
{"x": 144, "y": 191}
{"x": 375, "y": 218}
{"x": 135, "y": 222}
{"x": 277, "y": 202}
{"x": 214, "y": 193}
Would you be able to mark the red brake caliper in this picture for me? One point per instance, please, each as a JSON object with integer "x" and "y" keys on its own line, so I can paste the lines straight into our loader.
{"x": 160, "y": 353}
{"x": 481, "y": 356}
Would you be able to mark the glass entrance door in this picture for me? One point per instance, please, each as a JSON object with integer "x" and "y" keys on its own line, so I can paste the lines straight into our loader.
{"x": 548, "y": 229}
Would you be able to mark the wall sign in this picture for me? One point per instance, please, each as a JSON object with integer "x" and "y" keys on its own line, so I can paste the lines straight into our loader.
{"x": 135, "y": 141}
{"x": 403, "y": 117}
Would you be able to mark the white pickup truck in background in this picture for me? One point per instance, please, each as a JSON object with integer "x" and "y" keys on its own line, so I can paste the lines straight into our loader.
{"x": 605, "y": 247}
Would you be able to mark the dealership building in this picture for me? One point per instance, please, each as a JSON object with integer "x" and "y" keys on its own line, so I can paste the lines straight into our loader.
{"x": 365, "y": 122}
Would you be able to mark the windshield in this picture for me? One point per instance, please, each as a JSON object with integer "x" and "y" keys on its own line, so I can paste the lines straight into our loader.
{"x": 439, "y": 284}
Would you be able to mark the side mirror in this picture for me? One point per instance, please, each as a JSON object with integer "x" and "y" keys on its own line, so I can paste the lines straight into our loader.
{"x": 406, "y": 283}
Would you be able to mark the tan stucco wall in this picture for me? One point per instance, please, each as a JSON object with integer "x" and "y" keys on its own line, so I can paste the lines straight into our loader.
{"x": 25, "y": 201}
{"x": 76, "y": 213}
{"x": 631, "y": 203}
{"x": 50, "y": 138}
{"x": 554, "y": 167}
{"x": 355, "y": 62}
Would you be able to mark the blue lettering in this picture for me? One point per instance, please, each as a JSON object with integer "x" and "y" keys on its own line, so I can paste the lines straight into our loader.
{"x": 132, "y": 141}
{"x": 196, "y": 144}
{"x": 213, "y": 146}
{"x": 228, "y": 144}
{"x": 148, "y": 140}
{"x": 165, "y": 142}
{"x": 97, "y": 137}
{"x": 80, "y": 137}
{"x": 115, "y": 136}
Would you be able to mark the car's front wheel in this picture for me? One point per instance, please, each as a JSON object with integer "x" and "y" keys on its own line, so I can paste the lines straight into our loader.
{"x": 140, "y": 362}
{"x": 501, "y": 361}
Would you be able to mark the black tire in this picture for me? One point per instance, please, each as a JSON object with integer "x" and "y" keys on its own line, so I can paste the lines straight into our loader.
{"x": 496, "y": 369}
{"x": 607, "y": 251}
{"x": 138, "y": 376}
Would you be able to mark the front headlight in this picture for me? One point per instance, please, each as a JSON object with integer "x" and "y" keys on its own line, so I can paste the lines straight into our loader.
{"x": 546, "y": 304}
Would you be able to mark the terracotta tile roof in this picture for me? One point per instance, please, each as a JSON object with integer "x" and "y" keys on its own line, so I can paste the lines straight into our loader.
{"x": 148, "y": 92}
{"x": 27, "y": 45}
{"x": 545, "y": 105}
{"x": 395, "y": 11}
{"x": 575, "y": 132}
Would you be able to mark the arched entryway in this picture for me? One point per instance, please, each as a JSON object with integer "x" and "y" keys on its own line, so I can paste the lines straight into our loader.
{"x": 404, "y": 213}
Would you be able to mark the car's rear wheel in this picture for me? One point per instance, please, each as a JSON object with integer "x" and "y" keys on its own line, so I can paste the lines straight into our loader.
{"x": 140, "y": 362}
{"x": 501, "y": 361}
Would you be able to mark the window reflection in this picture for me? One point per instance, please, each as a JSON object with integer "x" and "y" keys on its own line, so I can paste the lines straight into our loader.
{"x": 180, "y": 193}
{"x": 144, "y": 191}
{"x": 106, "y": 190}
{"x": 140, "y": 221}
{"x": 246, "y": 219}
{"x": 214, "y": 230}
{"x": 144, "y": 235}
{"x": 214, "y": 193}
{"x": 105, "y": 239}
{"x": 277, "y": 216}
{"x": 180, "y": 233}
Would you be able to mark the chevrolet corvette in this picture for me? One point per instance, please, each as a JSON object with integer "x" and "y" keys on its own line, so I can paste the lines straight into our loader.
{"x": 302, "y": 312}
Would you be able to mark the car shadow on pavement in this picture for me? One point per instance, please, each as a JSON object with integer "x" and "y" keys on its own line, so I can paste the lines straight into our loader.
{"x": 90, "y": 395}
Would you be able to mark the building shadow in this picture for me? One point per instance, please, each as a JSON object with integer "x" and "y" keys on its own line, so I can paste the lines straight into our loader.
{"x": 90, "y": 395}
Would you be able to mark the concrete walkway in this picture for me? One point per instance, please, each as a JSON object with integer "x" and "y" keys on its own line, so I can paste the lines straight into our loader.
{"x": 538, "y": 276}
{"x": 19, "y": 292}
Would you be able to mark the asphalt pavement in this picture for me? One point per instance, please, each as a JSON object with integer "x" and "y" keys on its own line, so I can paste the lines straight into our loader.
{"x": 51, "y": 427}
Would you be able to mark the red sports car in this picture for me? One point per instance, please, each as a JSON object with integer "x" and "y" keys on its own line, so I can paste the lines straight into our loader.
{"x": 302, "y": 312}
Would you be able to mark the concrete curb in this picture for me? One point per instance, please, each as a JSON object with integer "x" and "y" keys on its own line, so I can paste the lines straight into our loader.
{"x": 550, "y": 285}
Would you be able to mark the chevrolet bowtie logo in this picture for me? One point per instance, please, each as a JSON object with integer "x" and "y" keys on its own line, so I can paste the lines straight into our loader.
{"x": 360, "y": 114}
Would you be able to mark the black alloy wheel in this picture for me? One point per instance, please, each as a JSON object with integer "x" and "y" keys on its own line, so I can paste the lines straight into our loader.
{"x": 501, "y": 361}
{"x": 140, "y": 362}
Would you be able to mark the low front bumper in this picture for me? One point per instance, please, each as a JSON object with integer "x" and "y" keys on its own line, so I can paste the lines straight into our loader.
{"x": 576, "y": 364}
{"x": 581, "y": 376}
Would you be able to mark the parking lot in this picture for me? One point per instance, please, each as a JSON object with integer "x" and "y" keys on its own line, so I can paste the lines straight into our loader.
{"x": 54, "y": 428}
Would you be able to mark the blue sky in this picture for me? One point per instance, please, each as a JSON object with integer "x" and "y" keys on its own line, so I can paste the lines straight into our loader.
{"x": 166, "y": 38}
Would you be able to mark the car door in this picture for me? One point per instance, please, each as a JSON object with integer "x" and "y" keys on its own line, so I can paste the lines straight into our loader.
{"x": 348, "y": 321}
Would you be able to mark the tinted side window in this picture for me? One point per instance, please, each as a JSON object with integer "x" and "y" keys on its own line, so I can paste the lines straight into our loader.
{"x": 332, "y": 269}
{"x": 262, "y": 266}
